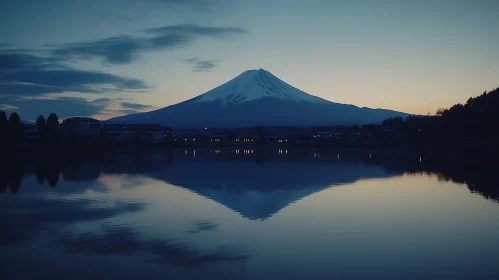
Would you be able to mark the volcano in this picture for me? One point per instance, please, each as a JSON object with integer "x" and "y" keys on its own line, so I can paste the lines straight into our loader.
{"x": 256, "y": 97}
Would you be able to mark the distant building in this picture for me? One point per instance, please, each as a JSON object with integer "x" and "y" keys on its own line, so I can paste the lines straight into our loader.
{"x": 145, "y": 133}
{"x": 187, "y": 138}
{"x": 244, "y": 139}
{"x": 220, "y": 138}
{"x": 81, "y": 126}
{"x": 276, "y": 138}
{"x": 324, "y": 135}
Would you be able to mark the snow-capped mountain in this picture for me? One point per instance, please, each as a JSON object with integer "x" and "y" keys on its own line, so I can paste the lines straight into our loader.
{"x": 257, "y": 84}
{"x": 256, "y": 97}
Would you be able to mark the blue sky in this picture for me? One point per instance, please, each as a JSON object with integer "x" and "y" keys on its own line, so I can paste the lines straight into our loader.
{"x": 107, "y": 58}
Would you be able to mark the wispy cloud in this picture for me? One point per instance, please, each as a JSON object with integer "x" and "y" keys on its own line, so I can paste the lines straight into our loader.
{"x": 24, "y": 74}
{"x": 105, "y": 99}
{"x": 30, "y": 107}
{"x": 121, "y": 112}
{"x": 28, "y": 83}
{"x": 135, "y": 106}
{"x": 121, "y": 49}
{"x": 19, "y": 60}
{"x": 126, "y": 49}
{"x": 202, "y": 65}
{"x": 192, "y": 29}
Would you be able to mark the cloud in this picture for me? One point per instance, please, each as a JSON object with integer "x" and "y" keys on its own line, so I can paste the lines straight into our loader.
{"x": 28, "y": 76}
{"x": 54, "y": 81}
{"x": 135, "y": 106}
{"x": 21, "y": 61}
{"x": 27, "y": 89}
{"x": 202, "y": 65}
{"x": 126, "y": 49}
{"x": 123, "y": 112}
{"x": 107, "y": 99}
{"x": 5, "y": 107}
{"x": 115, "y": 50}
{"x": 24, "y": 74}
{"x": 30, "y": 107}
{"x": 193, "y": 29}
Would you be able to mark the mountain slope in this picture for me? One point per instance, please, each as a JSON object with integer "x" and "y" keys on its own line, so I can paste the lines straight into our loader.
{"x": 256, "y": 97}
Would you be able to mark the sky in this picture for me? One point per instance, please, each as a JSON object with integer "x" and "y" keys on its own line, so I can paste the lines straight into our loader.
{"x": 106, "y": 58}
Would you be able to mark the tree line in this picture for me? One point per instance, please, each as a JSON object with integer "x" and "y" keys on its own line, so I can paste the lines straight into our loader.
{"x": 47, "y": 128}
{"x": 12, "y": 128}
{"x": 475, "y": 122}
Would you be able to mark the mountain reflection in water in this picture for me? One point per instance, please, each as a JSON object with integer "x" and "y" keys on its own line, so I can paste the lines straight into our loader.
{"x": 245, "y": 213}
{"x": 211, "y": 172}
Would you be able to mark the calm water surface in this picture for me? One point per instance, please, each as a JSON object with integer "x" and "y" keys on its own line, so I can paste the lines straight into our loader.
{"x": 247, "y": 214}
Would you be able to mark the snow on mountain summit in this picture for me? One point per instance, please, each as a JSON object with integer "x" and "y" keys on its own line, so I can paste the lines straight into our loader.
{"x": 256, "y": 84}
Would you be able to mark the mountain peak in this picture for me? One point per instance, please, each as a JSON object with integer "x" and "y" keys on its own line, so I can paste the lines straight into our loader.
{"x": 257, "y": 97}
{"x": 257, "y": 84}
{"x": 260, "y": 71}
{"x": 254, "y": 70}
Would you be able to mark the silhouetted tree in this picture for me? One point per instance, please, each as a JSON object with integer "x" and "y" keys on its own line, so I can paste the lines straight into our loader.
{"x": 40, "y": 123}
{"x": 3, "y": 120}
{"x": 15, "y": 129}
{"x": 52, "y": 123}
{"x": 4, "y": 126}
{"x": 395, "y": 123}
{"x": 51, "y": 128}
{"x": 472, "y": 124}
{"x": 440, "y": 111}
{"x": 14, "y": 120}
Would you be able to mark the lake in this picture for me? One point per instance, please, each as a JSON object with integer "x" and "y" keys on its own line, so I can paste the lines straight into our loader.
{"x": 237, "y": 213}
